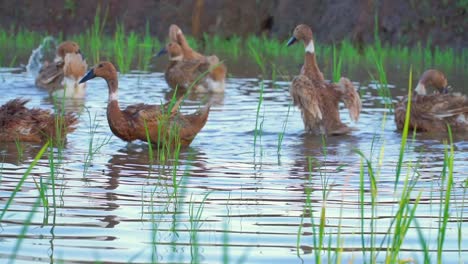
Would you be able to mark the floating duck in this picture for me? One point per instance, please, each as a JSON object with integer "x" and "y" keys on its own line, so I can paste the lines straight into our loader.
{"x": 199, "y": 75}
{"x": 61, "y": 76}
{"x": 217, "y": 73}
{"x": 318, "y": 100}
{"x": 164, "y": 124}
{"x": 433, "y": 112}
{"x": 18, "y": 123}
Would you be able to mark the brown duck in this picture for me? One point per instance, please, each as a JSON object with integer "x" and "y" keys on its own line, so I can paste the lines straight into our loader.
{"x": 217, "y": 74}
{"x": 32, "y": 125}
{"x": 165, "y": 124}
{"x": 61, "y": 77}
{"x": 190, "y": 74}
{"x": 318, "y": 100}
{"x": 433, "y": 112}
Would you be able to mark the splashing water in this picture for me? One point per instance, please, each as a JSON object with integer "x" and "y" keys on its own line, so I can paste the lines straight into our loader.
{"x": 47, "y": 47}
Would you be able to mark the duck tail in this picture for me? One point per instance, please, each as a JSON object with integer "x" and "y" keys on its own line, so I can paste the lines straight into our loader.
{"x": 350, "y": 97}
{"x": 201, "y": 116}
{"x": 14, "y": 106}
{"x": 197, "y": 120}
{"x": 59, "y": 125}
{"x": 69, "y": 123}
{"x": 219, "y": 72}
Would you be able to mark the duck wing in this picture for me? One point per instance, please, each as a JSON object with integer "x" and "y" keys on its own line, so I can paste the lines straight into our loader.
{"x": 350, "y": 97}
{"x": 432, "y": 112}
{"x": 444, "y": 106}
{"x": 306, "y": 97}
{"x": 195, "y": 66}
{"x": 50, "y": 75}
{"x": 152, "y": 113}
{"x": 143, "y": 112}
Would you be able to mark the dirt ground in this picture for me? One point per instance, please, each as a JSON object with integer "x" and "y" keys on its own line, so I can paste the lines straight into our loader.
{"x": 442, "y": 22}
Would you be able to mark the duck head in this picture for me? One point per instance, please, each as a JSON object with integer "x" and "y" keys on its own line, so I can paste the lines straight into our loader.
{"x": 432, "y": 78}
{"x": 65, "y": 48}
{"x": 173, "y": 50}
{"x": 174, "y": 30}
{"x": 104, "y": 70}
{"x": 304, "y": 33}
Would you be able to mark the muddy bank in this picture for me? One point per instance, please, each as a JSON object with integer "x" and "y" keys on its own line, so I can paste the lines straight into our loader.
{"x": 442, "y": 23}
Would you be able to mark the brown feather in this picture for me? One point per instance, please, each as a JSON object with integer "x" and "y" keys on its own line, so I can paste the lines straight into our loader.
{"x": 218, "y": 69}
{"x": 432, "y": 113}
{"x": 74, "y": 66}
{"x": 69, "y": 63}
{"x": 317, "y": 99}
{"x": 183, "y": 74}
{"x": 34, "y": 125}
{"x": 350, "y": 97}
{"x": 176, "y": 35}
{"x": 160, "y": 125}
{"x": 50, "y": 76}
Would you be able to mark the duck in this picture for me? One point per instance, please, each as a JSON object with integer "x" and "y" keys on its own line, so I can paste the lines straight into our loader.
{"x": 317, "y": 99}
{"x": 60, "y": 77}
{"x": 161, "y": 122}
{"x": 433, "y": 112}
{"x": 218, "y": 69}
{"x": 19, "y": 123}
{"x": 195, "y": 75}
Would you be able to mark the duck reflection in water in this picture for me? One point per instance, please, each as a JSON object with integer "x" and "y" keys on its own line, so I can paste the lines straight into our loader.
{"x": 134, "y": 163}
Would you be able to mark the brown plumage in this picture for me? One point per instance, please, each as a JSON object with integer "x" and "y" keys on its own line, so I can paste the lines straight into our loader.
{"x": 318, "y": 100}
{"x": 182, "y": 73}
{"x": 176, "y": 35}
{"x": 432, "y": 79}
{"x": 166, "y": 125}
{"x": 32, "y": 125}
{"x": 218, "y": 69}
{"x": 65, "y": 72}
{"x": 433, "y": 112}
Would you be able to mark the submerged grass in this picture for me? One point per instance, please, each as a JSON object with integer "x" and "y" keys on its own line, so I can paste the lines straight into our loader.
{"x": 258, "y": 119}
{"x": 94, "y": 144}
{"x": 447, "y": 176}
{"x": 23, "y": 178}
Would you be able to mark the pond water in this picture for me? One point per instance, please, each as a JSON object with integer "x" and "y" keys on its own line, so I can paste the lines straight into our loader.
{"x": 121, "y": 207}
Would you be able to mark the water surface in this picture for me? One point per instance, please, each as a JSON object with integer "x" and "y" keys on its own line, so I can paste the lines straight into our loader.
{"x": 119, "y": 209}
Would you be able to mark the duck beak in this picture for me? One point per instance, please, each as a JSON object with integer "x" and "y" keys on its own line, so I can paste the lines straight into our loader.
{"x": 90, "y": 75}
{"x": 161, "y": 52}
{"x": 291, "y": 41}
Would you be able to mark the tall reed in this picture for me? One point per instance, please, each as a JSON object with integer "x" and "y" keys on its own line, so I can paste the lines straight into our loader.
{"x": 258, "y": 123}
{"x": 404, "y": 135}
{"x": 447, "y": 176}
